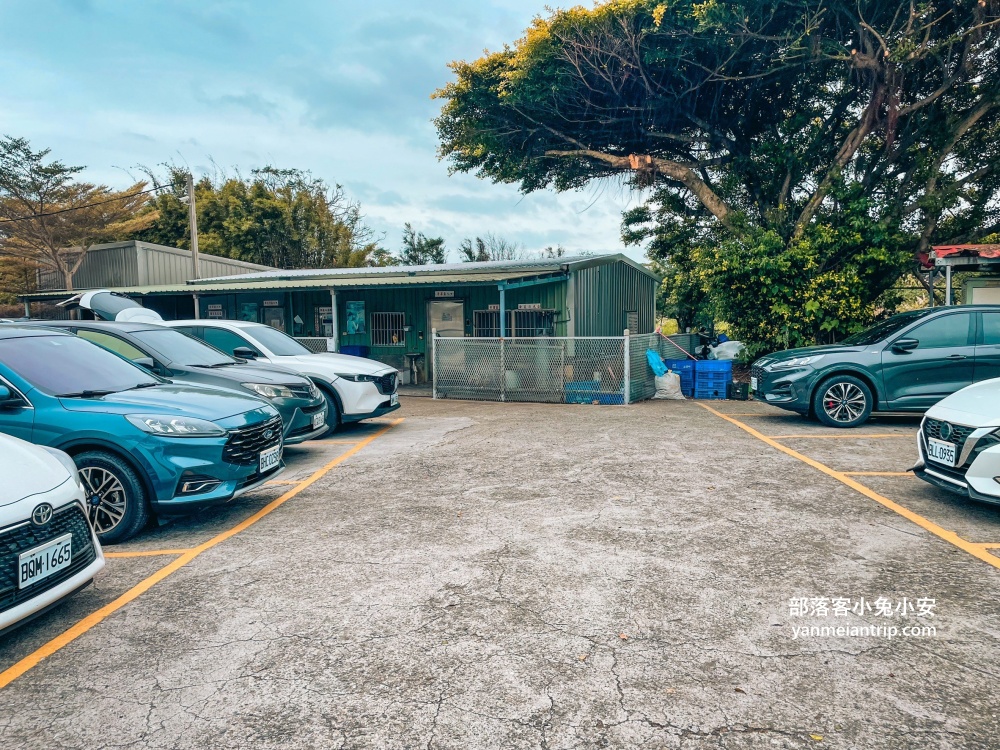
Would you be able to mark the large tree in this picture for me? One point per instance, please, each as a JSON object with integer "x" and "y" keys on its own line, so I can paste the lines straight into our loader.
{"x": 419, "y": 249}
{"x": 278, "y": 217}
{"x": 795, "y": 155}
{"x": 48, "y": 219}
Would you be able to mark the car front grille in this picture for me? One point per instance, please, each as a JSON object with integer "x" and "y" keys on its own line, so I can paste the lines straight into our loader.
{"x": 757, "y": 372}
{"x": 301, "y": 391}
{"x": 959, "y": 432}
{"x": 387, "y": 383}
{"x": 13, "y": 541}
{"x": 245, "y": 444}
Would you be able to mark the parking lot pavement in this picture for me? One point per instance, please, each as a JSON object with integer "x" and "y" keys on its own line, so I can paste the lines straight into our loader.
{"x": 522, "y": 576}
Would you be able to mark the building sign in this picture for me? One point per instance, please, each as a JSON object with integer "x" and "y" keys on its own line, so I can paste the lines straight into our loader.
{"x": 494, "y": 307}
{"x": 324, "y": 321}
{"x": 441, "y": 293}
{"x": 530, "y": 306}
{"x": 215, "y": 307}
{"x": 272, "y": 303}
{"x": 215, "y": 313}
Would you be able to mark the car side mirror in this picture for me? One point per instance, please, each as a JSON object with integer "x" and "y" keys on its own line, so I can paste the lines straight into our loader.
{"x": 902, "y": 346}
{"x": 146, "y": 363}
{"x": 244, "y": 352}
{"x": 7, "y": 398}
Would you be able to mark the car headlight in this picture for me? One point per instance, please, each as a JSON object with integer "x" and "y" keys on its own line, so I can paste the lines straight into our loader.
{"x": 269, "y": 391}
{"x": 314, "y": 390}
{"x": 66, "y": 461}
{"x": 356, "y": 378}
{"x": 170, "y": 426}
{"x": 791, "y": 364}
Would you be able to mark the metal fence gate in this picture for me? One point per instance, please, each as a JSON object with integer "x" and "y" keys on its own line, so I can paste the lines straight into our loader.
{"x": 583, "y": 370}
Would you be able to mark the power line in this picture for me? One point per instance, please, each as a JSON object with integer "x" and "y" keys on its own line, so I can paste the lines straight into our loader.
{"x": 88, "y": 205}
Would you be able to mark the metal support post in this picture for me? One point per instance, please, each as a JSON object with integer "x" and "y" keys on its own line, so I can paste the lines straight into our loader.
{"x": 503, "y": 360}
{"x": 627, "y": 370}
{"x": 947, "y": 285}
{"x": 434, "y": 363}
{"x": 503, "y": 310}
{"x": 193, "y": 224}
{"x": 334, "y": 323}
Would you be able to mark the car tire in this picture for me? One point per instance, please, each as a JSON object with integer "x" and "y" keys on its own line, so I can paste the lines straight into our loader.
{"x": 123, "y": 508}
{"x": 332, "y": 410}
{"x": 843, "y": 401}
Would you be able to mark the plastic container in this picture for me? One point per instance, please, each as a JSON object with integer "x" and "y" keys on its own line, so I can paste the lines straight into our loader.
{"x": 354, "y": 350}
{"x": 684, "y": 368}
{"x": 582, "y": 391}
{"x": 712, "y": 378}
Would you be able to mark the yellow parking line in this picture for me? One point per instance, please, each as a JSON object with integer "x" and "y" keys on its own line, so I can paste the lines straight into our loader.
{"x": 990, "y": 546}
{"x": 976, "y": 550}
{"x": 149, "y": 553}
{"x": 855, "y": 436}
{"x": 70, "y": 635}
{"x": 879, "y": 474}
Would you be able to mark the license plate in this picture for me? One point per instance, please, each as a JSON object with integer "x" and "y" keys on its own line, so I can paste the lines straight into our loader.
{"x": 43, "y": 561}
{"x": 753, "y": 384}
{"x": 319, "y": 419}
{"x": 270, "y": 458}
{"x": 942, "y": 452}
{"x": 393, "y": 400}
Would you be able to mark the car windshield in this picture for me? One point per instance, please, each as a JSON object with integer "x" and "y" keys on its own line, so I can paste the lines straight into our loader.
{"x": 71, "y": 366}
{"x": 174, "y": 346}
{"x": 280, "y": 344}
{"x": 885, "y": 329}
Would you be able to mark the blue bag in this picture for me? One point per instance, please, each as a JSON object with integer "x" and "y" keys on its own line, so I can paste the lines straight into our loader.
{"x": 656, "y": 363}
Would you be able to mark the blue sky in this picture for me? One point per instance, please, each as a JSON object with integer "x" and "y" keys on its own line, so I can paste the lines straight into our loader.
{"x": 341, "y": 88}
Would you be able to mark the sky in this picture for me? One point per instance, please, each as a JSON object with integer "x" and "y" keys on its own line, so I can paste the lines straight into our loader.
{"x": 341, "y": 88}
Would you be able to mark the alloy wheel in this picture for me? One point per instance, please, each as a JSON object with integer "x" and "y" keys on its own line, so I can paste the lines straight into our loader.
{"x": 106, "y": 498}
{"x": 844, "y": 402}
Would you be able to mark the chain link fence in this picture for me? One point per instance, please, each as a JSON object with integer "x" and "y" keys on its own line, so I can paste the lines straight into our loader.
{"x": 577, "y": 370}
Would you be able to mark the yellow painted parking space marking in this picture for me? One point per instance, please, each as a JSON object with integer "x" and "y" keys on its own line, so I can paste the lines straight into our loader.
{"x": 978, "y": 551}
{"x": 94, "y": 619}
{"x": 856, "y": 436}
{"x": 148, "y": 553}
{"x": 879, "y": 474}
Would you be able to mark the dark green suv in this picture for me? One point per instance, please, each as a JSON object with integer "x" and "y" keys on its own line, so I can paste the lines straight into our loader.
{"x": 906, "y": 363}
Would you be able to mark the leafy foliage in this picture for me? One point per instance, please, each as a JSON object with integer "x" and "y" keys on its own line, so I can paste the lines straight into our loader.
{"x": 277, "y": 217}
{"x": 490, "y": 247}
{"x": 420, "y": 250}
{"x": 48, "y": 219}
{"x": 798, "y": 154}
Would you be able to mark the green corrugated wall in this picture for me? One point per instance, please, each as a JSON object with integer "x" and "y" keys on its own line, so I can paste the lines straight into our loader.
{"x": 604, "y": 294}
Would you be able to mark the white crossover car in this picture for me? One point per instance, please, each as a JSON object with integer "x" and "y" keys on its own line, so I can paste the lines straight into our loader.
{"x": 355, "y": 387}
{"x": 47, "y": 546}
{"x": 959, "y": 442}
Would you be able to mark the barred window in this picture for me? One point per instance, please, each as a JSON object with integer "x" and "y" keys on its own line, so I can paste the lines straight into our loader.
{"x": 387, "y": 329}
{"x": 520, "y": 323}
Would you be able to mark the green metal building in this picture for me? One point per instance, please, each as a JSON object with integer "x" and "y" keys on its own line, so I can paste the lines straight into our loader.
{"x": 388, "y": 313}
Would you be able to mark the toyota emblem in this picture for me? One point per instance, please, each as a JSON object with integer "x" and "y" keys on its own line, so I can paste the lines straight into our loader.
{"x": 946, "y": 430}
{"x": 42, "y": 514}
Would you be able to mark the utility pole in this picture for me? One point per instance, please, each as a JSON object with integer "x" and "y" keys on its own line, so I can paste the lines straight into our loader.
{"x": 193, "y": 224}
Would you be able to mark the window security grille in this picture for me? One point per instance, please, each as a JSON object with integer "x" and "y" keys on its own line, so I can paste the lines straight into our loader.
{"x": 520, "y": 323}
{"x": 387, "y": 329}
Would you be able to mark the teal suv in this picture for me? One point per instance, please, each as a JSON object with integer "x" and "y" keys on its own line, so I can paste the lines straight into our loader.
{"x": 906, "y": 363}
{"x": 143, "y": 445}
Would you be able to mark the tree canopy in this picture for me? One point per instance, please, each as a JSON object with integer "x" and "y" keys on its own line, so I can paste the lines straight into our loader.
{"x": 48, "y": 219}
{"x": 419, "y": 249}
{"x": 277, "y": 217}
{"x": 795, "y": 155}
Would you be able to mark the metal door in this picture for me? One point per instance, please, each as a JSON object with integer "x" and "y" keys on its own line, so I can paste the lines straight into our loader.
{"x": 448, "y": 319}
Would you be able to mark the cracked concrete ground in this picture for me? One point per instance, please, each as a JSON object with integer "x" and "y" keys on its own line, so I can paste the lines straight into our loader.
{"x": 534, "y": 576}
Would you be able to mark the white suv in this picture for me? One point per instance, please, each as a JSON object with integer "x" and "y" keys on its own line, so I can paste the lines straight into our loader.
{"x": 48, "y": 549}
{"x": 355, "y": 388}
{"x": 959, "y": 442}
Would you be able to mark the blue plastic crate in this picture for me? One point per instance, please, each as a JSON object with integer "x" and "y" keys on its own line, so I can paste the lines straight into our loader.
{"x": 582, "y": 391}
{"x": 709, "y": 393}
{"x": 583, "y": 385}
{"x": 714, "y": 365}
{"x": 684, "y": 368}
{"x": 610, "y": 398}
{"x": 354, "y": 350}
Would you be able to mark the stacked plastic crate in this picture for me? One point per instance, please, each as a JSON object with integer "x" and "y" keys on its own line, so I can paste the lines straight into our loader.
{"x": 712, "y": 377}
{"x": 684, "y": 368}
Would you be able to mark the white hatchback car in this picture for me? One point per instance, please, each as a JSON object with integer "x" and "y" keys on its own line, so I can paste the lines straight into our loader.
{"x": 356, "y": 388}
{"x": 48, "y": 549}
{"x": 959, "y": 443}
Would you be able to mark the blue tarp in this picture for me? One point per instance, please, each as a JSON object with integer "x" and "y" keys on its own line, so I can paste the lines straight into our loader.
{"x": 656, "y": 363}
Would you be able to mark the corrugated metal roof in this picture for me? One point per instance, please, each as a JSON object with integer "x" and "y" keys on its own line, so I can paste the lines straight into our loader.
{"x": 241, "y": 284}
{"x": 525, "y": 267}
